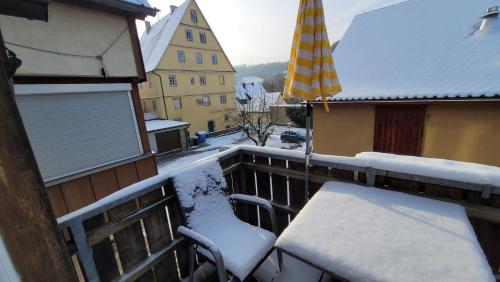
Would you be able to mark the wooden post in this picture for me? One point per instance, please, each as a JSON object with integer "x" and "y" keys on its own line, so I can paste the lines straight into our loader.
{"x": 27, "y": 224}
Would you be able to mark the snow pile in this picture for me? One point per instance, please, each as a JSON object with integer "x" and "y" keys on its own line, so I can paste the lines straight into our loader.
{"x": 203, "y": 194}
{"x": 158, "y": 124}
{"x": 439, "y": 168}
{"x": 369, "y": 234}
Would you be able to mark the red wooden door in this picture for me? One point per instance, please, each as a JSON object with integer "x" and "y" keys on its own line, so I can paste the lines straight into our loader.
{"x": 399, "y": 129}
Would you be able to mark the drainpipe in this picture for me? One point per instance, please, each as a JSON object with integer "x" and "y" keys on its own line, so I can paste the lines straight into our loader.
{"x": 162, "y": 93}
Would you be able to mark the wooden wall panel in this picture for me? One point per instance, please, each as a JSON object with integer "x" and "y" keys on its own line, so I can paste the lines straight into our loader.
{"x": 126, "y": 175}
{"x": 104, "y": 183}
{"x": 78, "y": 193}
{"x": 146, "y": 168}
{"x": 74, "y": 194}
{"x": 57, "y": 201}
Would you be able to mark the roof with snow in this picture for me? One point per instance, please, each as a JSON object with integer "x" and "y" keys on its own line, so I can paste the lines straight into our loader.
{"x": 161, "y": 124}
{"x": 154, "y": 43}
{"x": 249, "y": 87}
{"x": 420, "y": 49}
{"x": 260, "y": 102}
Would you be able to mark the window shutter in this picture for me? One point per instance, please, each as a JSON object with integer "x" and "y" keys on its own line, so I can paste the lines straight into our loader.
{"x": 75, "y": 132}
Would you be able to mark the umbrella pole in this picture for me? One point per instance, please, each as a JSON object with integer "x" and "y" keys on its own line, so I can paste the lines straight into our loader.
{"x": 308, "y": 150}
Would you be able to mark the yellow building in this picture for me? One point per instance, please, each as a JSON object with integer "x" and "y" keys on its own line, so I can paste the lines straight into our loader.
{"x": 413, "y": 85}
{"x": 189, "y": 76}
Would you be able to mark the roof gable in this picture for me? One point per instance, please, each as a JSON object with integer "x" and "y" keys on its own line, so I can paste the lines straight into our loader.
{"x": 154, "y": 43}
{"x": 420, "y": 49}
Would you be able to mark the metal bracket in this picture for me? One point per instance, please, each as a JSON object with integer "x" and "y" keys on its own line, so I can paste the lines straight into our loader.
{"x": 370, "y": 176}
{"x": 487, "y": 189}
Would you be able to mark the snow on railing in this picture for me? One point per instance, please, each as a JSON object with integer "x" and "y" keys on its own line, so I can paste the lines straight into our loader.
{"x": 144, "y": 235}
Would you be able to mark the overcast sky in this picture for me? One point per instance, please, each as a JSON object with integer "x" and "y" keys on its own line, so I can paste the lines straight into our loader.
{"x": 260, "y": 31}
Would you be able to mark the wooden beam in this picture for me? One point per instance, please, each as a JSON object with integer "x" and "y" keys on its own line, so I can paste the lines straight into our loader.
{"x": 27, "y": 222}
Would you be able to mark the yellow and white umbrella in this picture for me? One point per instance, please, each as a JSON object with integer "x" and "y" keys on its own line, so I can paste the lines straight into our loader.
{"x": 311, "y": 73}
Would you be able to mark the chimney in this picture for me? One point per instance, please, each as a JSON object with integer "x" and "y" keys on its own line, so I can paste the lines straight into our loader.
{"x": 172, "y": 8}
{"x": 490, "y": 19}
{"x": 148, "y": 26}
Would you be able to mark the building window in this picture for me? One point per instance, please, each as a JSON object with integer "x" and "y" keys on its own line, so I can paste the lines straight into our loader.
{"x": 154, "y": 105}
{"x": 181, "y": 56}
{"x": 172, "y": 80}
{"x": 150, "y": 84}
{"x": 189, "y": 35}
{"x": 203, "y": 37}
{"x": 203, "y": 80}
{"x": 205, "y": 101}
{"x": 194, "y": 16}
{"x": 214, "y": 59}
{"x": 226, "y": 117}
{"x": 177, "y": 103}
{"x": 223, "y": 99}
{"x": 222, "y": 80}
{"x": 199, "y": 58}
{"x": 193, "y": 81}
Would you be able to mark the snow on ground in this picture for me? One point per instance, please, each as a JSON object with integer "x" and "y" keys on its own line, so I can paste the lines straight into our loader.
{"x": 213, "y": 145}
{"x": 370, "y": 234}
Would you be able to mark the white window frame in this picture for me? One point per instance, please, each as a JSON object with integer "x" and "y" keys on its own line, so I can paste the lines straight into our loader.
{"x": 181, "y": 56}
{"x": 222, "y": 80}
{"x": 194, "y": 16}
{"x": 206, "y": 100}
{"x": 215, "y": 59}
{"x": 189, "y": 35}
{"x": 47, "y": 89}
{"x": 203, "y": 80}
{"x": 172, "y": 80}
{"x": 199, "y": 58}
{"x": 203, "y": 37}
{"x": 223, "y": 99}
{"x": 179, "y": 105}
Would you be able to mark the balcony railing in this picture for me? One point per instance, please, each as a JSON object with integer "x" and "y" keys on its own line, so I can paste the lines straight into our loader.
{"x": 131, "y": 234}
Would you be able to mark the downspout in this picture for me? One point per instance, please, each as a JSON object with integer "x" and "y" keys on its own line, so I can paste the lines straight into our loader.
{"x": 162, "y": 94}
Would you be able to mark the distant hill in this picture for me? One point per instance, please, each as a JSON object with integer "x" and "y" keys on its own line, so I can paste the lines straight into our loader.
{"x": 264, "y": 71}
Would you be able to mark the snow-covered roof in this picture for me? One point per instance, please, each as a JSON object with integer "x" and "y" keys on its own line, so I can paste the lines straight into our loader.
{"x": 159, "y": 124}
{"x": 249, "y": 87}
{"x": 155, "y": 42}
{"x": 420, "y": 49}
{"x": 260, "y": 102}
{"x": 251, "y": 79}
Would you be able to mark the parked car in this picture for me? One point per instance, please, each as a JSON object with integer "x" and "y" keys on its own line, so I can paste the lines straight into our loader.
{"x": 292, "y": 137}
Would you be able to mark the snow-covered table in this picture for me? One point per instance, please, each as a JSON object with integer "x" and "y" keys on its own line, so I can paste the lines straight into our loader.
{"x": 369, "y": 234}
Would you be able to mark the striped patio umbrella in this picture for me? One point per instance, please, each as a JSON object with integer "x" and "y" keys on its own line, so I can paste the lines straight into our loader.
{"x": 311, "y": 73}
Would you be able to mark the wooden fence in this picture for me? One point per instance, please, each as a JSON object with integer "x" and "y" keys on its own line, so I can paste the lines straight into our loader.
{"x": 131, "y": 236}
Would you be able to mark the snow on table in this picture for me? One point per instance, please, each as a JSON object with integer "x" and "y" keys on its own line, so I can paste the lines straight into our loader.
{"x": 439, "y": 168}
{"x": 203, "y": 195}
{"x": 369, "y": 234}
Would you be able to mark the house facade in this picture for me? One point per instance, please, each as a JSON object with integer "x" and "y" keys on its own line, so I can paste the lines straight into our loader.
{"x": 417, "y": 85}
{"x": 189, "y": 77}
{"x": 77, "y": 93}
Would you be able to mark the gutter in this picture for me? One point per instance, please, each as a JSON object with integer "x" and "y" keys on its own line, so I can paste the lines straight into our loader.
{"x": 162, "y": 94}
{"x": 135, "y": 10}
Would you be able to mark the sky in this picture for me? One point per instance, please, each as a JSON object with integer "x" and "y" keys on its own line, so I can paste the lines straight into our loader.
{"x": 260, "y": 31}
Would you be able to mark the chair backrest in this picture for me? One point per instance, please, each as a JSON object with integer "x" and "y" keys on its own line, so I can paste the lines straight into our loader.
{"x": 203, "y": 193}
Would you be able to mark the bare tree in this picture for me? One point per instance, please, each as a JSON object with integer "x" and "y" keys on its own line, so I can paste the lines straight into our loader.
{"x": 253, "y": 116}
